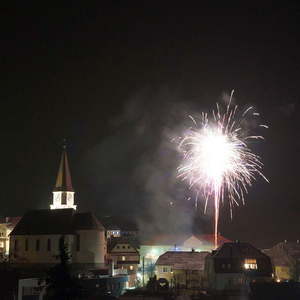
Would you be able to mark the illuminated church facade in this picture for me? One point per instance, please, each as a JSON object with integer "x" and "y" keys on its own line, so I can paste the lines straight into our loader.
{"x": 35, "y": 239}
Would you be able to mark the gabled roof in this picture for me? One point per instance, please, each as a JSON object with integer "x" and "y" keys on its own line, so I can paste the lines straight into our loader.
{"x": 237, "y": 250}
{"x": 179, "y": 239}
{"x": 55, "y": 221}
{"x": 10, "y": 222}
{"x": 284, "y": 253}
{"x": 87, "y": 221}
{"x": 123, "y": 240}
{"x": 63, "y": 179}
{"x": 183, "y": 260}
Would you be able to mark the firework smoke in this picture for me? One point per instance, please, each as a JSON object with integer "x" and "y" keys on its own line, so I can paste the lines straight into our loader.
{"x": 217, "y": 160}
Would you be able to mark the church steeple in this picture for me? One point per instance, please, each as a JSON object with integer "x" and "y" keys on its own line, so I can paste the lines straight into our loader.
{"x": 63, "y": 193}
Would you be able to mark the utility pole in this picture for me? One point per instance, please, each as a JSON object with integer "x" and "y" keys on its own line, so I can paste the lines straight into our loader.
{"x": 143, "y": 279}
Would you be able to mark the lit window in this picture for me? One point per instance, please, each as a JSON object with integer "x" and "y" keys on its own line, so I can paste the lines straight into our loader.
{"x": 123, "y": 258}
{"x": 250, "y": 264}
{"x": 1, "y": 244}
{"x": 131, "y": 268}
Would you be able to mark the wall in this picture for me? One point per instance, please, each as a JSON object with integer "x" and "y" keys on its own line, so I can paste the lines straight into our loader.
{"x": 20, "y": 255}
{"x": 92, "y": 247}
{"x": 180, "y": 278}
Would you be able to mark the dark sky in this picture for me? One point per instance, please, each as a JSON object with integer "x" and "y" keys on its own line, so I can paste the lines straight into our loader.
{"x": 117, "y": 79}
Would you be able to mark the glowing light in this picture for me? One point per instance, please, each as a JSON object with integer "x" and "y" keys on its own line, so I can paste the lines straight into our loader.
{"x": 217, "y": 160}
{"x": 250, "y": 264}
{"x": 63, "y": 200}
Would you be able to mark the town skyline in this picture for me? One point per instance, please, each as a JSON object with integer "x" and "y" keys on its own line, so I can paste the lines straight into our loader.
{"x": 116, "y": 79}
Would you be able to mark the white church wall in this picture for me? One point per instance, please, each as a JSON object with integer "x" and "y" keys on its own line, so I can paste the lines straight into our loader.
{"x": 92, "y": 247}
{"x": 32, "y": 253}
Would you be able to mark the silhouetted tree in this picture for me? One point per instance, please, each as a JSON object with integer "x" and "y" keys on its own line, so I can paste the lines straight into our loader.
{"x": 60, "y": 284}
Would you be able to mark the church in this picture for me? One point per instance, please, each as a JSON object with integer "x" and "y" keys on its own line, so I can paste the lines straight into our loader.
{"x": 35, "y": 239}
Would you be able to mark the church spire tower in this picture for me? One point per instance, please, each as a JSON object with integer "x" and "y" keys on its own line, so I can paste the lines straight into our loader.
{"x": 63, "y": 193}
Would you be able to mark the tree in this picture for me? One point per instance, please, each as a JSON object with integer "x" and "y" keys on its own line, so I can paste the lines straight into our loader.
{"x": 60, "y": 284}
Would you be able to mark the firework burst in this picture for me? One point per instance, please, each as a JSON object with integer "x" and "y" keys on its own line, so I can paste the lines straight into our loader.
{"x": 217, "y": 160}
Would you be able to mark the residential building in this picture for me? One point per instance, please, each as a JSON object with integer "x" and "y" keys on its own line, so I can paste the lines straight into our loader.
{"x": 233, "y": 266}
{"x": 125, "y": 256}
{"x": 285, "y": 257}
{"x": 151, "y": 249}
{"x": 182, "y": 269}
{"x": 7, "y": 224}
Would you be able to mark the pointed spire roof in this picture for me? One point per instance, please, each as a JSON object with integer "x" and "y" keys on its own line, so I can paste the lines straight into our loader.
{"x": 63, "y": 179}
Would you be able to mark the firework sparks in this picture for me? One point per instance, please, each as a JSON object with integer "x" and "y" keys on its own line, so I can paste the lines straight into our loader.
{"x": 217, "y": 160}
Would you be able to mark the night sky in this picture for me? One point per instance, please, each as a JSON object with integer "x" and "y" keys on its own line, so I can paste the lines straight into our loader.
{"x": 118, "y": 79}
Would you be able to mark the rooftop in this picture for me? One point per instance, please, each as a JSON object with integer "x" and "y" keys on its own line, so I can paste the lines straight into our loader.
{"x": 183, "y": 260}
{"x": 179, "y": 239}
{"x": 57, "y": 221}
{"x": 237, "y": 249}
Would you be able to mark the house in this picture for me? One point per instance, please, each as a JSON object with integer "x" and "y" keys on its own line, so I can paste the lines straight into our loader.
{"x": 124, "y": 254}
{"x": 35, "y": 239}
{"x": 7, "y": 224}
{"x": 119, "y": 226}
{"x": 285, "y": 257}
{"x": 233, "y": 266}
{"x": 182, "y": 269}
{"x": 151, "y": 249}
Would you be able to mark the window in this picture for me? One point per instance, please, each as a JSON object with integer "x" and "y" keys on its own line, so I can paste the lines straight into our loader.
{"x": 61, "y": 242}
{"x": 123, "y": 247}
{"x": 250, "y": 264}
{"x": 37, "y": 245}
{"x": 78, "y": 242}
{"x": 1, "y": 244}
{"x": 165, "y": 269}
{"x": 131, "y": 268}
{"x": 128, "y": 247}
{"x": 123, "y": 258}
{"x": 26, "y": 245}
{"x": 49, "y": 245}
{"x": 16, "y": 245}
{"x": 64, "y": 198}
